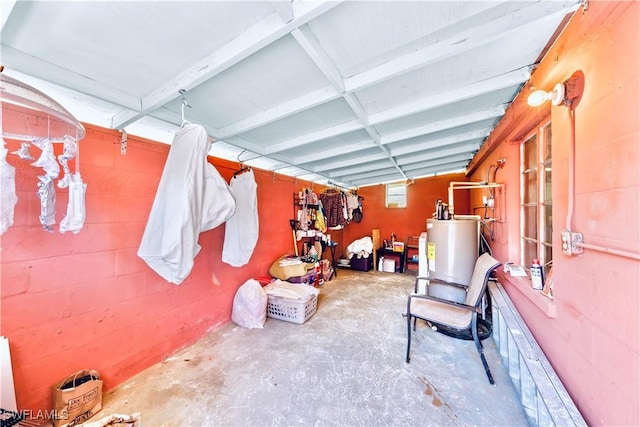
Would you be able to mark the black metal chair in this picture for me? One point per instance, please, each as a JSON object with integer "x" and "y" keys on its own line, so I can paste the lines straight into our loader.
{"x": 454, "y": 316}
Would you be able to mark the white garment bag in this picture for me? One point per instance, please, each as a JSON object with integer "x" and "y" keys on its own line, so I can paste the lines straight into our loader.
{"x": 192, "y": 197}
{"x": 241, "y": 231}
{"x": 8, "y": 198}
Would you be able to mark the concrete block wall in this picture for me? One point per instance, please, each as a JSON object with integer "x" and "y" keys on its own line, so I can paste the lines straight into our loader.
{"x": 590, "y": 330}
{"x": 87, "y": 301}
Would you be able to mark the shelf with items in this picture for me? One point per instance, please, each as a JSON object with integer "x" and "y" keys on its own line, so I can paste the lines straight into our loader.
{"x": 411, "y": 250}
{"x": 399, "y": 256}
{"x": 308, "y": 224}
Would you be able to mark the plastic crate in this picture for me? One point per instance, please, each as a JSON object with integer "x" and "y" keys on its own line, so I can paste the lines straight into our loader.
{"x": 291, "y": 310}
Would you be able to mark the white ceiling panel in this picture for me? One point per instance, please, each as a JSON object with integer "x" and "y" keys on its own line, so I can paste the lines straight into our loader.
{"x": 317, "y": 118}
{"x": 159, "y": 38}
{"x": 352, "y": 92}
{"x": 452, "y": 114}
{"x": 362, "y": 35}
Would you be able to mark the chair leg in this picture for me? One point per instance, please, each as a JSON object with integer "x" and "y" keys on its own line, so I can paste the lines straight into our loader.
{"x": 408, "y": 335}
{"x": 476, "y": 339}
{"x": 408, "y": 328}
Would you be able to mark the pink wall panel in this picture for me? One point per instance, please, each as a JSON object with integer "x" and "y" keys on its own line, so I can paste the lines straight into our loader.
{"x": 593, "y": 340}
{"x": 87, "y": 300}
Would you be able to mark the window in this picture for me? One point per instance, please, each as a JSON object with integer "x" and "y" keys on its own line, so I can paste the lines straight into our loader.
{"x": 536, "y": 206}
{"x": 396, "y": 195}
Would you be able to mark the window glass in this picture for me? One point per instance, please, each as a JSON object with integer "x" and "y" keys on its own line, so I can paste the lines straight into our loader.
{"x": 530, "y": 150}
{"x": 537, "y": 202}
{"x": 547, "y": 143}
{"x": 530, "y": 187}
{"x": 530, "y": 229}
{"x": 530, "y": 251}
{"x": 396, "y": 195}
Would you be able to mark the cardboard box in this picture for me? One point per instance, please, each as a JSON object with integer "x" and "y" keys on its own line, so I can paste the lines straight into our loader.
{"x": 398, "y": 246}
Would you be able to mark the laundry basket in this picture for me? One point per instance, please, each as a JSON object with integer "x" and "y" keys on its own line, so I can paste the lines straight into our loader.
{"x": 292, "y": 310}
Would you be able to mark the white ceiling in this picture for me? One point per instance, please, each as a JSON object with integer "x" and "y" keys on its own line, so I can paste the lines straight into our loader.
{"x": 354, "y": 92}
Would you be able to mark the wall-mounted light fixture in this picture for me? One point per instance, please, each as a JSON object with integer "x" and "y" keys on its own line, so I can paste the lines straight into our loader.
{"x": 568, "y": 92}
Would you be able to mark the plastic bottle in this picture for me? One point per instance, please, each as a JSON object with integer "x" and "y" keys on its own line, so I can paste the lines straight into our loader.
{"x": 313, "y": 253}
{"x": 536, "y": 275}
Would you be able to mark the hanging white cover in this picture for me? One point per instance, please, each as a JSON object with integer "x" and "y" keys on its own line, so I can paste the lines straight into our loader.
{"x": 76, "y": 211}
{"x": 8, "y": 197}
{"x": 241, "y": 231}
{"x": 192, "y": 197}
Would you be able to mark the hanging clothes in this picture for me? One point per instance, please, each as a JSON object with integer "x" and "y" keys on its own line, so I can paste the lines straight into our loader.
{"x": 8, "y": 198}
{"x": 333, "y": 208}
{"x": 192, "y": 197}
{"x": 241, "y": 230}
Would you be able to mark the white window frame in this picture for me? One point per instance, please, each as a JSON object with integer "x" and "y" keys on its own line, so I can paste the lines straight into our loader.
{"x": 543, "y": 239}
{"x": 396, "y": 195}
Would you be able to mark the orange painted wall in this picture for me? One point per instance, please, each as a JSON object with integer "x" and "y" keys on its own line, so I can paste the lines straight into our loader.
{"x": 593, "y": 340}
{"x": 410, "y": 221}
{"x": 87, "y": 301}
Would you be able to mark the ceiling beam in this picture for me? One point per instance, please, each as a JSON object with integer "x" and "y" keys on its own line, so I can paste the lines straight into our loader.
{"x": 255, "y": 38}
{"x": 289, "y": 108}
{"x": 445, "y": 168}
{"x": 6, "y": 7}
{"x": 367, "y": 175}
{"x": 62, "y": 77}
{"x": 335, "y": 173}
{"x": 319, "y": 135}
{"x": 438, "y": 154}
{"x": 506, "y": 25}
{"x": 433, "y": 127}
{"x": 430, "y": 144}
{"x": 380, "y": 180}
{"x": 284, "y": 9}
{"x": 464, "y": 157}
{"x": 310, "y": 44}
{"x": 334, "y": 152}
{"x": 475, "y": 89}
{"x": 362, "y": 115}
{"x": 502, "y": 81}
{"x": 345, "y": 162}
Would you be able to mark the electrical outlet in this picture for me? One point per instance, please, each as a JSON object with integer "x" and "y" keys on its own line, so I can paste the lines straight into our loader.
{"x": 566, "y": 242}
{"x": 570, "y": 242}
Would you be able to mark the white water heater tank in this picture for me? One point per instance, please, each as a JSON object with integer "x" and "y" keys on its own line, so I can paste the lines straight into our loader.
{"x": 452, "y": 251}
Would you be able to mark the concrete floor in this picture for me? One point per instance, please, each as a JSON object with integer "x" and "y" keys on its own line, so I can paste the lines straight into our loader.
{"x": 345, "y": 366}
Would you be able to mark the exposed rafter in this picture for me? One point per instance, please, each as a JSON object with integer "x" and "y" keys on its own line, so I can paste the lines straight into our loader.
{"x": 252, "y": 40}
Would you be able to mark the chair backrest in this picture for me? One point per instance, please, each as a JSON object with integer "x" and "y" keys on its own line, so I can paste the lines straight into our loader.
{"x": 485, "y": 264}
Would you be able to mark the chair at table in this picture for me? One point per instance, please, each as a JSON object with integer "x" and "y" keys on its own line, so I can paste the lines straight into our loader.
{"x": 454, "y": 316}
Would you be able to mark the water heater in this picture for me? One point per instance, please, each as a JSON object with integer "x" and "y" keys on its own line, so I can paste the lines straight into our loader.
{"x": 452, "y": 251}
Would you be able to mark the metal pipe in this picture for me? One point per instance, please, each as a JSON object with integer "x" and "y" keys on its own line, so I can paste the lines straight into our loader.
{"x": 572, "y": 161}
{"x": 606, "y": 250}
{"x": 467, "y": 185}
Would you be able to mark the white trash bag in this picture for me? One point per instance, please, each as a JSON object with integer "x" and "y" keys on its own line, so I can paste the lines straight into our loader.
{"x": 250, "y": 305}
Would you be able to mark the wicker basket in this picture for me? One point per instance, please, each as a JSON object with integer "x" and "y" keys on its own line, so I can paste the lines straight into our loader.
{"x": 290, "y": 310}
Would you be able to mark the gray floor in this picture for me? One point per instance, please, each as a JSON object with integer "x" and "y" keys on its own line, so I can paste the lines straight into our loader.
{"x": 345, "y": 366}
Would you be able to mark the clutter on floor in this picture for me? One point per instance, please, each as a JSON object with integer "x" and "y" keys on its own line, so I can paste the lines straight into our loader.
{"x": 290, "y": 302}
{"x": 250, "y": 305}
{"x": 360, "y": 254}
{"x": 116, "y": 420}
{"x": 77, "y": 398}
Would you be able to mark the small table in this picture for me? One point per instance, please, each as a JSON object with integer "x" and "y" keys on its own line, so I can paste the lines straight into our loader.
{"x": 389, "y": 252}
{"x": 332, "y": 247}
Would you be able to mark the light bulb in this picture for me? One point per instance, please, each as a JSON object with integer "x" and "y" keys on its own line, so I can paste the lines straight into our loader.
{"x": 538, "y": 98}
